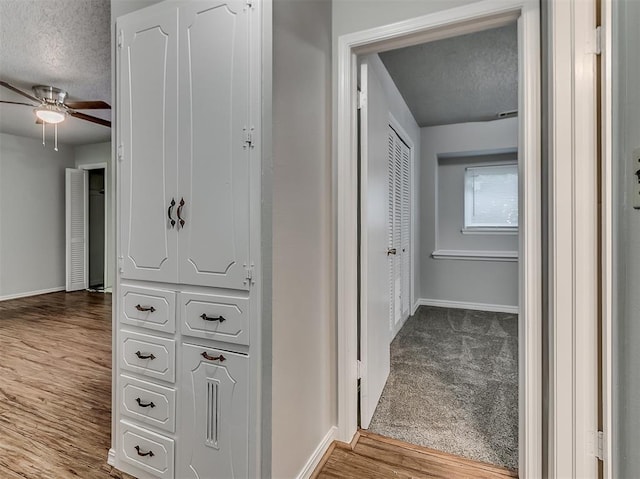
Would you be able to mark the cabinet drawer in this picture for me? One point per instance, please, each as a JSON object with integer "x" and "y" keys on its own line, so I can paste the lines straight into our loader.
{"x": 149, "y": 308}
{"x": 213, "y": 425}
{"x": 222, "y": 318}
{"x": 149, "y": 403}
{"x": 147, "y": 450}
{"x": 148, "y": 355}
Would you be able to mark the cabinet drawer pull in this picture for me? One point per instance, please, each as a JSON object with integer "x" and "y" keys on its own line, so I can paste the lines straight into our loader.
{"x": 145, "y": 308}
{"x": 180, "y": 206}
{"x": 213, "y": 358}
{"x": 171, "y": 205}
{"x": 144, "y": 356}
{"x": 149, "y": 404}
{"x": 149, "y": 453}
{"x": 207, "y": 318}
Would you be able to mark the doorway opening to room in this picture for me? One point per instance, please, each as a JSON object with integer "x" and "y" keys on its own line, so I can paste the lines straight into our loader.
{"x": 87, "y": 219}
{"x": 447, "y": 184}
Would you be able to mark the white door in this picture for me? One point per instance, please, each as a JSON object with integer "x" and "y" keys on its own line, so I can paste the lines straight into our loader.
{"x": 213, "y": 423}
{"x": 76, "y": 191}
{"x": 374, "y": 274}
{"x": 147, "y": 145}
{"x": 215, "y": 146}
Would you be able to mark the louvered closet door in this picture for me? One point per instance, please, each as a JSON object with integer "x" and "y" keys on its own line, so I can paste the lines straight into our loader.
{"x": 405, "y": 231}
{"x": 214, "y": 152}
{"x": 76, "y": 229}
{"x": 147, "y": 139}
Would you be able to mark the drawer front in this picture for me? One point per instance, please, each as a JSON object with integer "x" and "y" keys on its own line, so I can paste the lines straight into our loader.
{"x": 149, "y": 308}
{"x": 213, "y": 425}
{"x": 148, "y": 355}
{"x": 147, "y": 450}
{"x": 221, "y": 318}
{"x": 149, "y": 403}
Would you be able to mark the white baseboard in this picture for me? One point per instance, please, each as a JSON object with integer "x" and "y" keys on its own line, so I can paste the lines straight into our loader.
{"x": 315, "y": 458}
{"x": 111, "y": 457}
{"x": 443, "y": 303}
{"x": 31, "y": 293}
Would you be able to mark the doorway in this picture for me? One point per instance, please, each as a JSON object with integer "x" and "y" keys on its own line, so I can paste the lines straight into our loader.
{"x": 446, "y": 25}
{"x": 96, "y": 225}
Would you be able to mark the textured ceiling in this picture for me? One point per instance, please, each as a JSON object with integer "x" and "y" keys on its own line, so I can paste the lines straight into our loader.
{"x": 468, "y": 78}
{"x": 61, "y": 43}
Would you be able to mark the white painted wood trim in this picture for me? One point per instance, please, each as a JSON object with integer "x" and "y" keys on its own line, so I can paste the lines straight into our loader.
{"x": 445, "y": 303}
{"x": 111, "y": 457}
{"x": 31, "y": 293}
{"x": 573, "y": 237}
{"x": 466, "y": 19}
{"x": 607, "y": 235}
{"x": 473, "y": 255}
{"x": 316, "y": 457}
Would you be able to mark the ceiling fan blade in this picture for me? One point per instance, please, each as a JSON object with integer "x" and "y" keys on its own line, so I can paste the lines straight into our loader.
{"x": 88, "y": 105}
{"x": 90, "y": 118}
{"x": 17, "y": 103}
{"x": 19, "y": 92}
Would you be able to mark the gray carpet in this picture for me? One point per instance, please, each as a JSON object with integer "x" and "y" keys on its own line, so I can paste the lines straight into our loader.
{"x": 454, "y": 385}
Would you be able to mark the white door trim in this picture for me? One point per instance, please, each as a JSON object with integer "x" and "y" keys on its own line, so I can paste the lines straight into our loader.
{"x": 467, "y": 19}
{"x": 573, "y": 240}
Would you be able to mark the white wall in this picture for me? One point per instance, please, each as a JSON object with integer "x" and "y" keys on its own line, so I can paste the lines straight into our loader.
{"x": 32, "y": 215}
{"x": 626, "y": 387}
{"x": 304, "y": 326}
{"x": 452, "y": 279}
{"x": 101, "y": 153}
{"x": 411, "y": 132}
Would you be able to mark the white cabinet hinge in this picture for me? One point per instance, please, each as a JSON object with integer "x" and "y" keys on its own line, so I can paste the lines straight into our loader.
{"x": 249, "y": 276}
{"x": 120, "y": 152}
{"x": 360, "y": 367}
{"x": 120, "y": 268}
{"x": 120, "y": 39}
{"x": 362, "y": 100}
{"x": 598, "y": 41}
{"x": 600, "y": 445}
{"x": 248, "y": 137}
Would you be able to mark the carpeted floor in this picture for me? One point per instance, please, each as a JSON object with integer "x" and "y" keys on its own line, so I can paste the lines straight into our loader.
{"x": 454, "y": 385}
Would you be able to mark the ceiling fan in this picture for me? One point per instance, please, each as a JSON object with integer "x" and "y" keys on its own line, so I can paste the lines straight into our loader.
{"x": 53, "y": 107}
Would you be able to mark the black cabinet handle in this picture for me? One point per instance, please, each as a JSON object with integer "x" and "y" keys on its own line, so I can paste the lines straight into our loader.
{"x": 145, "y": 308}
{"x": 144, "y": 356}
{"x": 149, "y": 453}
{"x": 180, "y": 206}
{"x": 213, "y": 358}
{"x": 171, "y": 205}
{"x": 149, "y": 404}
{"x": 207, "y": 318}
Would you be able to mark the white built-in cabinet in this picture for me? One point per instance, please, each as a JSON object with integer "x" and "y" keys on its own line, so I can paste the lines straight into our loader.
{"x": 188, "y": 189}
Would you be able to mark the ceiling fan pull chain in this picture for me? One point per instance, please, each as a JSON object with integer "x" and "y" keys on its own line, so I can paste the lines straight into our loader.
{"x": 55, "y": 135}
{"x": 43, "y": 143}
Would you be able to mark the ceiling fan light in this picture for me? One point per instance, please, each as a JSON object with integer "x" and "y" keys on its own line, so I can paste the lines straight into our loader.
{"x": 50, "y": 114}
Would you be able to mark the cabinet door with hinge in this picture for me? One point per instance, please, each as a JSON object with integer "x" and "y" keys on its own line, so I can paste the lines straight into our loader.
{"x": 147, "y": 144}
{"x": 215, "y": 143}
{"x": 213, "y": 425}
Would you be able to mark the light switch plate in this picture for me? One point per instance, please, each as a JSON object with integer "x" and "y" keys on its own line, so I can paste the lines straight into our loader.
{"x": 635, "y": 178}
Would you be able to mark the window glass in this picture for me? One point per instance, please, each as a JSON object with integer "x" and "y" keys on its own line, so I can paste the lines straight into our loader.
{"x": 491, "y": 197}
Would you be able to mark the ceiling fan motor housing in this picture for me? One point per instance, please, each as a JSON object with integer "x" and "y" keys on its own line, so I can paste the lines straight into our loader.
{"x": 50, "y": 94}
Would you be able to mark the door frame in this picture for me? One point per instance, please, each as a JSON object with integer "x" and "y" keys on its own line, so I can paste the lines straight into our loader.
{"x": 457, "y": 21}
{"x": 107, "y": 198}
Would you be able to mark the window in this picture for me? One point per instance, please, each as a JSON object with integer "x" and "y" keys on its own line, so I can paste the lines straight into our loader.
{"x": 491, "y": 198}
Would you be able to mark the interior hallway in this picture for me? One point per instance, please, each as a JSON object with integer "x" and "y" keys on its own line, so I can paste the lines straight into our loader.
{"x": 55, "y": 386}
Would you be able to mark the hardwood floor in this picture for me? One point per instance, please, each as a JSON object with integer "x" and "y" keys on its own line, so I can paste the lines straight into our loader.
{"x": 55, "y": 386}
{"x": 377, "y": 457}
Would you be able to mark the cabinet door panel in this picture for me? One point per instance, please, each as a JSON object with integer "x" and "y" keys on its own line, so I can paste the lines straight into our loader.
{"x": 147, "y": 144}
{"x": 214, "y": 154}
{"x": 213, "y": 425}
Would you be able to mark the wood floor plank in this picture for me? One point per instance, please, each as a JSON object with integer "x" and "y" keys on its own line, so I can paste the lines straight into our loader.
{"x": 377, "y": 457}
{"x": 55, "y": 387}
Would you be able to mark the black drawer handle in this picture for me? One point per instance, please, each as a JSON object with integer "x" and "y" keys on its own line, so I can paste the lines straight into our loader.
{"x": 149, "y": 404}
{"x": 213, "y": 358}
{"x": 207, "y": 318}
{"x": 171, "y": 205}
{"x": 145, "y": 308}
{"x": 150, "y": 453}
{"x": 180, "y": 218}
{"x": 144, "y": 356}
